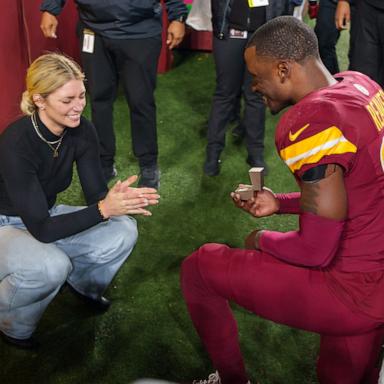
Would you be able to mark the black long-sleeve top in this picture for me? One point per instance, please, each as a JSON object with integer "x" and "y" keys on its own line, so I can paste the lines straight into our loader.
{"x": 31, "y": 178}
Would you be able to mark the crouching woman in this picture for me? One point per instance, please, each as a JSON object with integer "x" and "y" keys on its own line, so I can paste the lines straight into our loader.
{"x": 44, "y": 245}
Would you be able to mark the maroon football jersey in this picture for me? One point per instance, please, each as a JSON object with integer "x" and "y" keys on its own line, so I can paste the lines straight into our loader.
{"x": 343, "y": 124}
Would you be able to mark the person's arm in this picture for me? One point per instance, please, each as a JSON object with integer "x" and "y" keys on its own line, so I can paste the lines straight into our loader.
{"x": 177, "y": 14}
{"x": 54, "y": 7}
{"x": 342, "y": 14}
{"x": 48, "y": 22}
{"x": 30, "y": 203}
{"x": 88, "y": 164}
{"x": 29, "y": 200}
{"x": 121, "y": 198}
{"x": 289, "y": 202}
{"x": 323, "y": 204}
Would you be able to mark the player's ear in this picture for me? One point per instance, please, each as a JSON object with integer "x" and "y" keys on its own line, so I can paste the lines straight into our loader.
{"x": 283, "y": 70}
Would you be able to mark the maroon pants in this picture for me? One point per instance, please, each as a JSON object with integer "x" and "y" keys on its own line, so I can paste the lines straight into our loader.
{"x": 290, "y": 295}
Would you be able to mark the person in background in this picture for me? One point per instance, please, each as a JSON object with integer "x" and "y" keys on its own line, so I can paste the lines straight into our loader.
{"x": 327, "y": 33}
{"x": 233, "y": 21}
{"x": 324, "y": 11}
{"x": 45, "y": 245}
{"x": 367, "y": 35}
{"x": 328, "y": 276}
{"x": 121, "y": 40}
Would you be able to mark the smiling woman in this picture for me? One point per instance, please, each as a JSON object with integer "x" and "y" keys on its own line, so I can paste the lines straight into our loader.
{"x": 63, "y": 107}
{"x": 43, "y": 244}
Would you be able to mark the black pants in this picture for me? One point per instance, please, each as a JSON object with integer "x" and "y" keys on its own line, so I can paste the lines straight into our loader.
{"x": 327, "y": 34}
{"x": 232, "y": 77}
{"x": 368, "y": 41}
{"x": 134, "y": 61}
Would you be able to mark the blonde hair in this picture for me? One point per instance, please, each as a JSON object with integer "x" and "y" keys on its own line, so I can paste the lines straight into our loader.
{"x": 46, "y": 74}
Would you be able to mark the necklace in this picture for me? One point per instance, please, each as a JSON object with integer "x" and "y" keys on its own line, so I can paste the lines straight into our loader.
{"x": 50, "y": 143}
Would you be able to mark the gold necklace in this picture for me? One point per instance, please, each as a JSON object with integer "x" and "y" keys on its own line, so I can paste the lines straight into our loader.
{"x": 50, "y": 143}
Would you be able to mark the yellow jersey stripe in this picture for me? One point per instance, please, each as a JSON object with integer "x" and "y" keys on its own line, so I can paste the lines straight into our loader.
{"x": 307, "y": 144}
{"x": 310, "y": 150}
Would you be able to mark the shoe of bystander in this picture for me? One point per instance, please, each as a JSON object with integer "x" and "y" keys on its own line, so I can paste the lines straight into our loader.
{"x": 149, "y": 177}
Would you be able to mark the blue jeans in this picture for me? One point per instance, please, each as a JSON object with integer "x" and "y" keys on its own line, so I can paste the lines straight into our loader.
{"x": 31, "y": 272}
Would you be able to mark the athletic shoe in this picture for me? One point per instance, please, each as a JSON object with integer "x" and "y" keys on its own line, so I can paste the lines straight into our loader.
{"x": 212, "y": 163}
{"x": 149, "y": 177}
{"x": 213, "y": 378}
{"x": 29, "y": 343}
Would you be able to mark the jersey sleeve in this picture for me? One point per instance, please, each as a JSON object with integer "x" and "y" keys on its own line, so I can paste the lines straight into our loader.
{"x": 315, "y": 134}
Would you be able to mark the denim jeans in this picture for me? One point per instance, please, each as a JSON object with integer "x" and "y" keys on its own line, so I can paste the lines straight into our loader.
{"x": 31, "y": 272}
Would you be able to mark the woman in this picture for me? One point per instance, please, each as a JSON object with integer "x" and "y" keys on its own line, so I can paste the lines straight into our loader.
{"x": 44, "y": 245}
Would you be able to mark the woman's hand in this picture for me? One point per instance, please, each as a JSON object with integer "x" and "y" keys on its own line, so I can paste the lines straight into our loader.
{"x": 122, "y": 199}
{"x": 263, "y": 203}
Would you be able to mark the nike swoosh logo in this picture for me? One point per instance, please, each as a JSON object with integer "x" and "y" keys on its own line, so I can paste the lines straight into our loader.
{"x": 294, "y": 136}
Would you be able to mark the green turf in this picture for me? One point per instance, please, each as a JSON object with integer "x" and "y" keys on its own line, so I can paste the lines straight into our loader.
{"x": 147, "y": 332}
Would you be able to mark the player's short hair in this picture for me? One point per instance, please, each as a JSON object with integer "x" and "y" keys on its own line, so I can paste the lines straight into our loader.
{"x": 285, "y": 37}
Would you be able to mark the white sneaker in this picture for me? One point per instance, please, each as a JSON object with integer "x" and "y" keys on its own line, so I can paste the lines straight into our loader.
{"x": 213, "y": 378}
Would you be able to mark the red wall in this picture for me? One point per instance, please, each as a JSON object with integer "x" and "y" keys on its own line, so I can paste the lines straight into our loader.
{"x": 21, "y": 41}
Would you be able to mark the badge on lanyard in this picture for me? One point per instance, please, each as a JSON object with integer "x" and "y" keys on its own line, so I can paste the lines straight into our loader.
{"x": 235, "y": 34}
{"x": 88, "y": 41}
{"x": 257, "y": 3}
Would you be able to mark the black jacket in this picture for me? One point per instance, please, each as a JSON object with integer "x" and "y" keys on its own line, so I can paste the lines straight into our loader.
{"x": 222, "y": 8}
{"x": 121, "y": 19}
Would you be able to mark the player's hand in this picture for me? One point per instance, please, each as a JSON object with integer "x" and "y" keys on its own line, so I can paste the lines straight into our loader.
{"x": 263, "y": 203}
{"x": 122, "y": 199}
{"x": 175, "y": 34}
{"x": 252, "y": 240}
{"x": 48, "y": 24}
{"x": 342, "y": 15}
{"x": 236, "y": 198}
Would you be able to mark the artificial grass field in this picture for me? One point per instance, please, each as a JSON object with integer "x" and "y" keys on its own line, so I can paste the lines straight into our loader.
{"x": 147, "y": 331}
